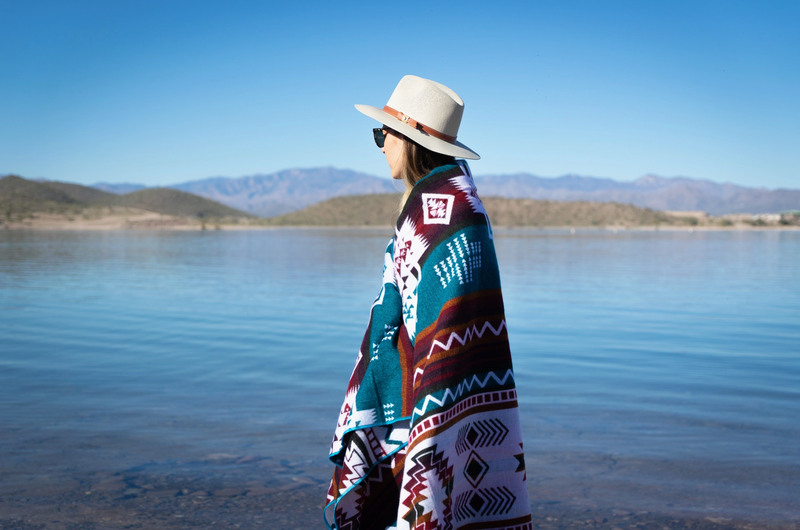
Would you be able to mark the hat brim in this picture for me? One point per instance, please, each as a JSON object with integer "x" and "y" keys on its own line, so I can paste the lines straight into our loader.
{"x": 436, "y": 145}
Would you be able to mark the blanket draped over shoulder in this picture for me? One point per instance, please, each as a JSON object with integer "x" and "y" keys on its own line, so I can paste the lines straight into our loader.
{"x": 428, "y": 436}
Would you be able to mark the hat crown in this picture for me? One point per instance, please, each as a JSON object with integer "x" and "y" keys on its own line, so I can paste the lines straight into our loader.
{"x": 429, "y": 103}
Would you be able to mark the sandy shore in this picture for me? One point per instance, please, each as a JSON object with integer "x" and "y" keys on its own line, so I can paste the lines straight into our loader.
{"x": 136, "y": 219}
{"x": 106, "y": 219}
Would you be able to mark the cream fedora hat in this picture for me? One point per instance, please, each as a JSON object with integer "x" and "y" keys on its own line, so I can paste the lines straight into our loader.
{"x": 427, "y": 112}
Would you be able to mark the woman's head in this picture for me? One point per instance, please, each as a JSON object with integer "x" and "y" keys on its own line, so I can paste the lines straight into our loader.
{"x": 408, "y": 161}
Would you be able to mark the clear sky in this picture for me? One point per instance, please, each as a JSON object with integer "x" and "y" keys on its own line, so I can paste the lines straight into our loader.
{"x": 160, "y": 92}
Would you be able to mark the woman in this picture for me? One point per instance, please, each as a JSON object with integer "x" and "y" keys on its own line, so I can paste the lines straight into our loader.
{"x": 428, "y": 436}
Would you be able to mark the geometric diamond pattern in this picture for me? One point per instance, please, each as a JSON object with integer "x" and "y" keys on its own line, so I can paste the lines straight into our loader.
{"x": 472, "y": 435}
{"x": 476, "y": 503}
{"x": 475, "y": 469}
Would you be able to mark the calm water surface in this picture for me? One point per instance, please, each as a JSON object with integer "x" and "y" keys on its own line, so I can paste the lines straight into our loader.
{"x": 656, "y": 370}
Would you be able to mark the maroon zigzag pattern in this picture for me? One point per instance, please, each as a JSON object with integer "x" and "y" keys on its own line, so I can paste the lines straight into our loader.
{"x": 425, "y": 461}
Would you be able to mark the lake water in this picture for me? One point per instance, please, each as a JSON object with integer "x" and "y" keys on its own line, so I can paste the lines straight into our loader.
{"x": 657, "y": 371}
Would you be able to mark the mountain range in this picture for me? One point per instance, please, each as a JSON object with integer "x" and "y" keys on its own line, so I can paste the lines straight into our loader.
{"x": 293, "y": 189}
{"x": 286, "y": 191}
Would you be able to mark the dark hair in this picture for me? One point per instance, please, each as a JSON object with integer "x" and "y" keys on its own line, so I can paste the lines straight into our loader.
{"x": 418, "y": 161}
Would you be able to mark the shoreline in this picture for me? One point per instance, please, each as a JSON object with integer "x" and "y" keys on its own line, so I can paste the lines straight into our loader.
{"x": 240, "y": 495}
{"x": 144, "y": 220}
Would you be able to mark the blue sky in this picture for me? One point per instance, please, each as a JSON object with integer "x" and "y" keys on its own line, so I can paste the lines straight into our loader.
{"x": 160, "y": 92}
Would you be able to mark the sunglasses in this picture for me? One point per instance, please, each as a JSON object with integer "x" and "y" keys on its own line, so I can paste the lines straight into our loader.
{"x": 380, "y": 137}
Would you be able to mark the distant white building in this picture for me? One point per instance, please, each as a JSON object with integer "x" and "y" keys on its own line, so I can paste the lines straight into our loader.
{"x": 767, "y": 217}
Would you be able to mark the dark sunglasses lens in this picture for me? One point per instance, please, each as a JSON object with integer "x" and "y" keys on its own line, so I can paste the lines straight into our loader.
{"x": 379, "y": 137}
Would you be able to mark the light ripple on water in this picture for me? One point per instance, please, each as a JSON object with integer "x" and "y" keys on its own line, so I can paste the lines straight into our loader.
{"x": 665, "y": 351}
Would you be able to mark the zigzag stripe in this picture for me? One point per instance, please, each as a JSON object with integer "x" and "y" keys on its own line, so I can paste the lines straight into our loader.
{"x": 353, "y": 468}
{"x": 469, "y": 334}
{"x": 359, "y": 458}
{"x": 465, "y": 386}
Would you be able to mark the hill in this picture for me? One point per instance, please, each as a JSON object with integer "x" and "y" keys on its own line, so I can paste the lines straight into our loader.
{"x": 21, "y": 197}
{"x": 354, "y": 210}
{"x": 85, "y": 194}
{"x": 176, "y": 202}
{"x": 530, "y": 212}
{"x": 382, "y": 210}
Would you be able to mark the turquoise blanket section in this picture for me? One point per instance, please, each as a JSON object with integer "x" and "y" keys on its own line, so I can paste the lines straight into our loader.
{"x": 381, "y": 386}
{"x": 456, "y": 267}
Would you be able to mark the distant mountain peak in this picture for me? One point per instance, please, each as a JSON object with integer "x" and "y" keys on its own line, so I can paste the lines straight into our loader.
{"x": 649, "y": 191}
{"x": 286, "y": 190}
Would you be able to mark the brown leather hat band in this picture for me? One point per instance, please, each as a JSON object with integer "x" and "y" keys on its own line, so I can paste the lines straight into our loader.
{"x": 417, "y": 125}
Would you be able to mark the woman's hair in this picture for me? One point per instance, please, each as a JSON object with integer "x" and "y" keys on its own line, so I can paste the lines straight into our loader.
{"x": 417, "y": 162}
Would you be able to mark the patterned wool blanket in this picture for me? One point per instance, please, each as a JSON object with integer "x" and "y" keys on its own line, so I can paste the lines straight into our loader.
{"x": 428, "y": 436}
